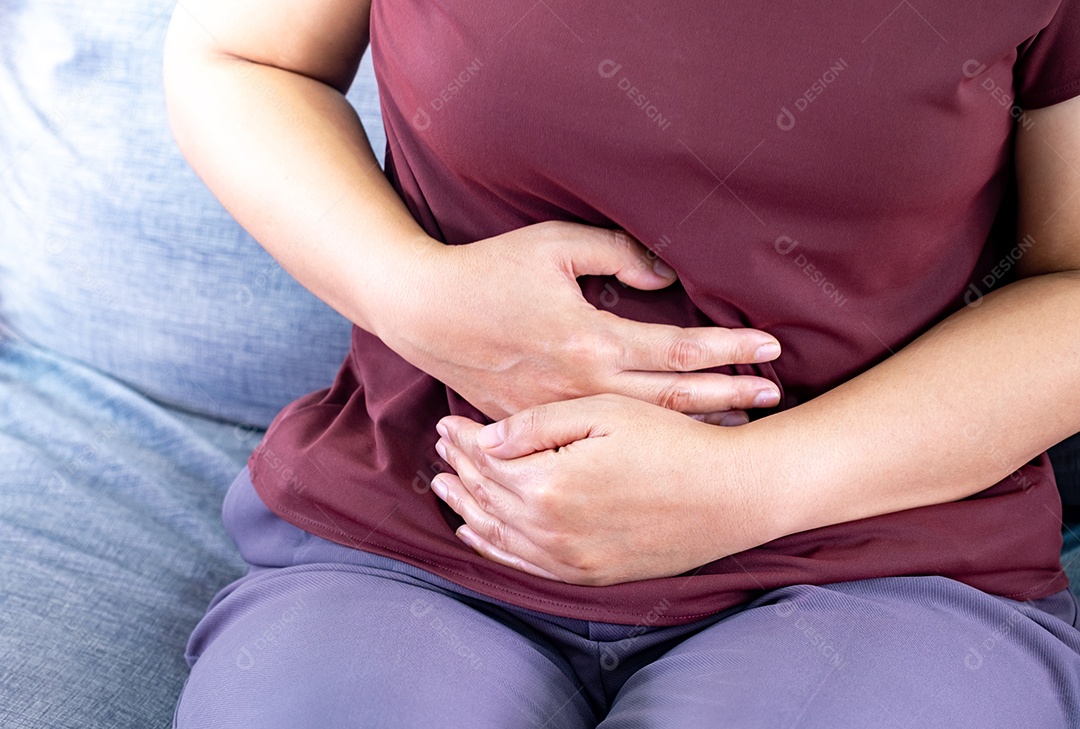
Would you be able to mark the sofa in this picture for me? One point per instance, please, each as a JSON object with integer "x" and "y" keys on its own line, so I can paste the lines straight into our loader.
{"x": 146, "y": 341}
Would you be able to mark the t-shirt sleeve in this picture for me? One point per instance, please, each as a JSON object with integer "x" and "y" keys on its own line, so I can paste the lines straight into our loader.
{"x": 1047, "y": 70}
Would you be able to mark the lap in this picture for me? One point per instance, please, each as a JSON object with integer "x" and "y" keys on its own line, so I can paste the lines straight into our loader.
{"x": 918, "y": 651}
{"x": 349, "y": 646}
{"x": 345, "y": 645}
{"x": 908, "y": 651}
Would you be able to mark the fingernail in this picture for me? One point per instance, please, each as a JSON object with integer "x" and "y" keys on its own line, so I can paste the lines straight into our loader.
{"x": 662, "y": 269}
{"x": 733, "y": 419}
{"x": 439, "y": 487}
{"x": 492, "y": 435}
{"x": 767, "y": 352}
{"x": 464, "y": 534}
{"x": 442, "y": 430}
{"x": 440, "y": 448}
{"x": 767, "y": 399}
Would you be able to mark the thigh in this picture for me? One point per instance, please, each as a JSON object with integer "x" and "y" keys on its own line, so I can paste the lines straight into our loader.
{"x": 348, "y": 646}
{"x": 891, "y": 652}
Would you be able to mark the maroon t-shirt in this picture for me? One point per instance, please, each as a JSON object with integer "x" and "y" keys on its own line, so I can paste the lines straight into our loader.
{"x": 838, "y": 176}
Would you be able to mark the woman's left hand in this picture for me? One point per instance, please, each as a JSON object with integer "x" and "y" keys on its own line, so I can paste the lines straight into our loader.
{"x": 604, "y": 489}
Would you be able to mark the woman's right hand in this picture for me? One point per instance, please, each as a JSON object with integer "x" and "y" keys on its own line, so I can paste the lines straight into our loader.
{"x": 504, "y": 324}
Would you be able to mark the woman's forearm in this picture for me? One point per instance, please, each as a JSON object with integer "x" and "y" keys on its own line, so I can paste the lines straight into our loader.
{"x": 956, "y": 411}
{"x": 288, "y": 157}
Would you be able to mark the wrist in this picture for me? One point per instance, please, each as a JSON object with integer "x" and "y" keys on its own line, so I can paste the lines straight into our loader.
{"x": 798, "y": 472}
{"x": 408, "y": 280}
{"x": 761, "y": 460}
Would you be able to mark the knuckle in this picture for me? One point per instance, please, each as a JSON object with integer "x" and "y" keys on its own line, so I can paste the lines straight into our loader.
{"x": 548, "y": 237}
{"x": 563, "y": 232}
{"x": 481, "y": 494}
{"x": 466, "y": 473}
{"x": 676, "y": 396}
{"x": 613, "y": 351}
{"x": 481, "y": 462}
{"x": 734, "y": 400}
{"x": 526, "y": 422}
{"x": 685, "y": 354}
{"x": 497, "y": 534}
{"x": 742, "y": 350}
{"x": 544, "y": 502}
{"x": 622, "y": 240}
{"x": 607, "y": 346}
{"x": 579, "y": 346}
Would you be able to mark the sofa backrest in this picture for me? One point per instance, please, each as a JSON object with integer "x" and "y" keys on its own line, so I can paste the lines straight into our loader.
{"x": 113, "y": 252}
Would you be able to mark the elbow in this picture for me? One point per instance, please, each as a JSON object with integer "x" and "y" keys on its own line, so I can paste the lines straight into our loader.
{"x": 180, "y": 60}
{"x": 192, "y": 74}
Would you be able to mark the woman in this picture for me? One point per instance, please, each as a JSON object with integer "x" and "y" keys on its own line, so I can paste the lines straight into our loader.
{"x": 882, "y": 549}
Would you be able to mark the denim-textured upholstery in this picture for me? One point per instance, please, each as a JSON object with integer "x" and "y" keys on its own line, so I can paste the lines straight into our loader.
{"x": 113, "y": 252}
{"x": 139, "y": 328}
{"x": 112, "y": 543}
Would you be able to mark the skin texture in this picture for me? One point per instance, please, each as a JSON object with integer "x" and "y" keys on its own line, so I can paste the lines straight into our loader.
{"x": 592, "y": 467}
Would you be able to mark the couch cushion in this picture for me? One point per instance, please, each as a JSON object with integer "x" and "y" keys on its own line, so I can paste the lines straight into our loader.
{"x": 112, "y": 543}
{"x": 113, "y": 252}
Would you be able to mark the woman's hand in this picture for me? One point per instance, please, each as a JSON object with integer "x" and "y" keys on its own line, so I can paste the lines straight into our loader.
{"x": 605, "y": 489}
{"x": 503, "y": 323}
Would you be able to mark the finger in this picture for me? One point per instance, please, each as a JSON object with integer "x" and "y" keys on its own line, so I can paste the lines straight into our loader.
{"x": 486, "y": 549}
{"x": 605, "y": 252}
{"x": 534, "y": 429}
{"x": 503, "y": 542}
{"x": 728, "y": 419}
{"x": 491, "y": 496}
{"x": 665, "y": 348}
{"x": 463, "y": 432}
{"x": 698, "y": 392}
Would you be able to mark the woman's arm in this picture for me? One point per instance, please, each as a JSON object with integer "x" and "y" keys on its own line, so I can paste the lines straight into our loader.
{"x": 973, "y": 399}
{"x": 569, "y": 490}
{"x": 256, "y": 101}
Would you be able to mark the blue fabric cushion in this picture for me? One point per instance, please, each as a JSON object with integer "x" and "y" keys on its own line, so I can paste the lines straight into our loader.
{"x": 139, "y": 326}
{"x": 113, "y": 252}
{"x": 112, "y": 543}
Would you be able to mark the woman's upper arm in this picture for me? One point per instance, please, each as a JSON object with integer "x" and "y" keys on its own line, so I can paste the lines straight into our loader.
{"x": 1048, "y": 176}
{"x": 320, "y": 39}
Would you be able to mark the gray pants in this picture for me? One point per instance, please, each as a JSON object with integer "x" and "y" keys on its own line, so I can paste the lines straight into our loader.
{"x": 321, "y": 635}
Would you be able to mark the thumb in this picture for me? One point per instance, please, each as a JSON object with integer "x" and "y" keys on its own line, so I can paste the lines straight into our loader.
{"x": 539, "y": 428}
{"x": 616, "y": 253}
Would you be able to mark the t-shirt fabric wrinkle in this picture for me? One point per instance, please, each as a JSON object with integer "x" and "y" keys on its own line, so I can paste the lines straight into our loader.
{"x": 840, "y": 177}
